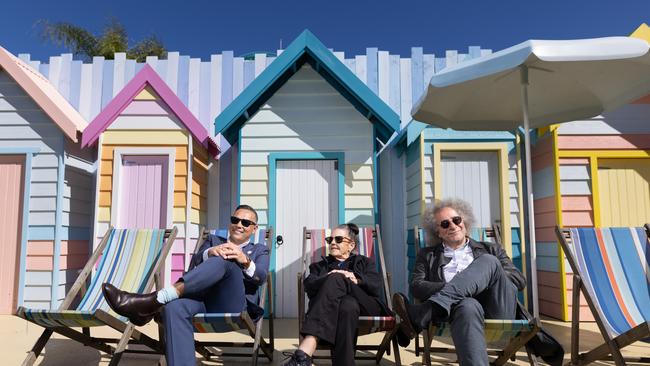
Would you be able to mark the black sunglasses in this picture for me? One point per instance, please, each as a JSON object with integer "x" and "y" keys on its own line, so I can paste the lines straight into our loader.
{"x": 457, "y": 220}
{"x": 244, "y": 222}
{"x": 337, "y": 239}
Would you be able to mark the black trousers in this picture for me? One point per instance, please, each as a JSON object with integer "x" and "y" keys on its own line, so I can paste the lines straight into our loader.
{"x": 334, "y": 313}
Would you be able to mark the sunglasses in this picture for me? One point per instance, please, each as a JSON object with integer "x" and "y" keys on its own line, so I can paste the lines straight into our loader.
{"x": 337, "y": 239}
{"x": 457, "y": 220}
{"x": 244, "y": 222}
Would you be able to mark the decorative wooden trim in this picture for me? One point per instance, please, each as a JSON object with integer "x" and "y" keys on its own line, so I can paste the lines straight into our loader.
{"x": 501, "y": 148}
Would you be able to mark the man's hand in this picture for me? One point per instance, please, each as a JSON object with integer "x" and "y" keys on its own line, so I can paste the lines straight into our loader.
{"x": 228, "y": 251}
{"x": 349, "y": 275}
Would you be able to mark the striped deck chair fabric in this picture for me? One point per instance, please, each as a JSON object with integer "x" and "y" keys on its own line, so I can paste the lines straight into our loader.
{"x": 613, "y": 264}
{"x": 127, "y": 263}
{"x": 498, "y": 333}
{"x": 223, "y": 322}
{"x": 316, "y": 248}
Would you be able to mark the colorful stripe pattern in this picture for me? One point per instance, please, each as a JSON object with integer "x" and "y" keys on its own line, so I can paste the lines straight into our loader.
{"x": 217, "y": 322}
{"x": 498, "y": 333}
{"x": 613, "y": 263}
{"x": 223, "y": 322}
{"x": 318, "y": 248}
{"x": 127, "y": 262}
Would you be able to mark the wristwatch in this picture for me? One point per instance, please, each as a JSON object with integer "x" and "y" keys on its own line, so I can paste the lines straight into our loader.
{"x": 246, "y": 264}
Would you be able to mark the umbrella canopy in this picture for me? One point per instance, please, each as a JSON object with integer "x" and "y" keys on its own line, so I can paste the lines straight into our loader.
{"x": 567, "y": 80}
{"x": 534, "y": 84}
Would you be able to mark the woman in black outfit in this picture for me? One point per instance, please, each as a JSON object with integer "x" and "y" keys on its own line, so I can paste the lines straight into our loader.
{"x": 340, "y": 288}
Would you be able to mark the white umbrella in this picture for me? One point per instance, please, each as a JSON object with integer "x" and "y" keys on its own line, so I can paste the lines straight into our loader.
{"x": 534, "y": 84}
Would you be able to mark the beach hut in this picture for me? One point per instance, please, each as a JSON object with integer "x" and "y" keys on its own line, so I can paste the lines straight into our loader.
{"x": 153, "y": 158}
{"x": 45, "y": 189}
{"x": 480, "y": 167}
{"x": 305, "y": 135}
{"x": 593, "y": 173}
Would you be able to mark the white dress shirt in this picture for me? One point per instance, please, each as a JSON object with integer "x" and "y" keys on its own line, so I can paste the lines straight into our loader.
{"x": 250, "y": 271}
{"x": 460, "y": 259}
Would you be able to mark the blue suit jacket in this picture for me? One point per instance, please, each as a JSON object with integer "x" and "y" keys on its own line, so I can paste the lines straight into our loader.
{"x": 259, "y": 254}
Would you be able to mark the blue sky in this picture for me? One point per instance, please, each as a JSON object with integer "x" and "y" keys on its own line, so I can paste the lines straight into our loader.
{"x": 200, "y": 28}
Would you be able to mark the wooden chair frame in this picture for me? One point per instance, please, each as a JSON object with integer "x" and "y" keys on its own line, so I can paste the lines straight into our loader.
{"x": 129, "y": 334}
{"x": 611, "y": 348}
{"x": 502, "y": 355}
{"x": 254, "y": 328}
{"x": 389, "y": 336}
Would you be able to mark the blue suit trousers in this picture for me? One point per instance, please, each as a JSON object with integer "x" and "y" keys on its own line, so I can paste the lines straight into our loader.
{"x": 214, "y": 286}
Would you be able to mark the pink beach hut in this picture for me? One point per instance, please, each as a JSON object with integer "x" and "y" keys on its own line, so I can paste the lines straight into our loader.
{"x": 45, "y": 189}
{"x": 153, "y": 161}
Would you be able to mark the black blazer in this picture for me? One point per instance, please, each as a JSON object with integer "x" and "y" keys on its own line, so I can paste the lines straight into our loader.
{"x": 428, "y": 275}
{"x": 364, "y": 269}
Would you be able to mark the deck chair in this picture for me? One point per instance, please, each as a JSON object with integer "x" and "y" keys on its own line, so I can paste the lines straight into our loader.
{"x": 504, "y": 337}
{"x": 227, "y": 322}
{"x": 610, "y": 268}
{"x": 314, "y": 247}
{"x": 131, "y": 260}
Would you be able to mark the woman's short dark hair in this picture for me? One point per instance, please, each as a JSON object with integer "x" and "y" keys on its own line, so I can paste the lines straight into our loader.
{"x": 430, "y": 224}
{"x": 353, "y": 232}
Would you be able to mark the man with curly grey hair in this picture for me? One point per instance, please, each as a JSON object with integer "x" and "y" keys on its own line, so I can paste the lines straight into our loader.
{"x": 459, "y": 280}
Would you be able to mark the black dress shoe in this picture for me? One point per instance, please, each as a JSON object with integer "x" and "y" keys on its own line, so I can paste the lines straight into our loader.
{"x": 140, "y": 309}
{"x": 298, "y": 358}
{"x": 414, "y": 317}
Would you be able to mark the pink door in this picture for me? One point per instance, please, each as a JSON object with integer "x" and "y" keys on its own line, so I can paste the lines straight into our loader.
{"x": 12, "y": 176}
{"x": 143, "y": 192}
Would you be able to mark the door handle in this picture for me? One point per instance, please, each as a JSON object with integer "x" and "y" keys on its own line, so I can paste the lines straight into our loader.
{"x": 279, "y": 240}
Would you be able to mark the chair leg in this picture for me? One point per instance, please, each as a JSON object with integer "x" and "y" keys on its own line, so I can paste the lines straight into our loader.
{"x": 398, "y": 359}
{"x": 417, "y": 345}
{"x": 38, "y": 347}
{"x": 384, "y": 345}
{"x": 121, "y": 345}
{"x": 256, "y": 343}
{"x": 426, "y": 348}
{"x": 531, "y": 357}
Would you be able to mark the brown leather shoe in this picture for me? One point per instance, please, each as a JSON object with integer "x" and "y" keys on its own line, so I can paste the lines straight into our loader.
{"x": 140, "y": 309}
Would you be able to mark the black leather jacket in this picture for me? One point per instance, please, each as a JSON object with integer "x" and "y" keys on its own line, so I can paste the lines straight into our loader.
{"x": 428, "y": 276}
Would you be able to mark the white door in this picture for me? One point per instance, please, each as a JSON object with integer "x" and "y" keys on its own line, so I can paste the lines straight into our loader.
{"x": 306, "y": 195}
{"x": 473, "y": 176}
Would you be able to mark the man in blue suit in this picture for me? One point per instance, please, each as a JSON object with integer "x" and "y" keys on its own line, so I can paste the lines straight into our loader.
{"x": 224, "y": 277}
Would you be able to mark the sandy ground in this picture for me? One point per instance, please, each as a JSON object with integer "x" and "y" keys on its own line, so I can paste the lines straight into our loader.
{"x": 18, "y": 336}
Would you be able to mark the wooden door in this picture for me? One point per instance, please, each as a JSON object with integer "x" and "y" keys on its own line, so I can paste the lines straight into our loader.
{"x": 143, "y": 192}
{"x": 12, "y": 176}
{"x": 624, "y": 186}
{"x": 307, "y": 195}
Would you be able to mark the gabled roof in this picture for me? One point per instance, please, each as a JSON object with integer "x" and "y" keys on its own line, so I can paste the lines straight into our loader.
{"x": 44, "y": 94}
{"x": 147, "y": 77}
{"x": 307, "y": 49}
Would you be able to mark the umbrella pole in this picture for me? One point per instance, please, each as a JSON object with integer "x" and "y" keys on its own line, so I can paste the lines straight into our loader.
{"x": 529, "y": 190}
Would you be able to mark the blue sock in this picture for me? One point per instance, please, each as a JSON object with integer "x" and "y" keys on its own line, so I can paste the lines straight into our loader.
{"x": 167, "y": 294}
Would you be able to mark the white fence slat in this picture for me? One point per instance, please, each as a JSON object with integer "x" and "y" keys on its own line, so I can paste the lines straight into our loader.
{"x": 118, "y": 72}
